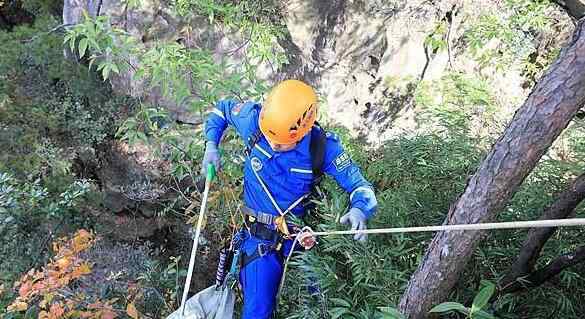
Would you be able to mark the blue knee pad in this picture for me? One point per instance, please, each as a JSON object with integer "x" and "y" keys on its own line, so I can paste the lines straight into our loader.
{"x": 260, "y": 280}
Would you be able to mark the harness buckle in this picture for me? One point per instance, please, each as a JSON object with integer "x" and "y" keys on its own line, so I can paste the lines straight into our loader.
{"x": 263, "y": 249}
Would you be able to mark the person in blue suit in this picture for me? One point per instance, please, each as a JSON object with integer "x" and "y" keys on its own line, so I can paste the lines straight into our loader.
{"x": 278, "y": 177}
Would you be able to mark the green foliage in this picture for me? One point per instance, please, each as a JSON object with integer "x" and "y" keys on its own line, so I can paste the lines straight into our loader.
{"x": 457, "y": 102}
{"x": 132, "y": 4}
{"x": 51, "y": 111}
{"x": 500, "y": 39}
{"x": 109, "y": 48}
{"x": 164, "y": 64}
{"x": 480, "y": 301}
{"x": 20, "y": 199}
{"x": 49, "y": 104}
{"x": 190, "y": 77}
{"x": 166, "y": 278}
{"x": 42, "y": 7}
{"x": 500, "y": 248}
{"x": 180, "y": 73}
{"x": 437, "y": 40}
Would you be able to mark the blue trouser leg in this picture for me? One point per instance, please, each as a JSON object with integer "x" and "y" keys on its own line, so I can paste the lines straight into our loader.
{"x": 260, "y": 280}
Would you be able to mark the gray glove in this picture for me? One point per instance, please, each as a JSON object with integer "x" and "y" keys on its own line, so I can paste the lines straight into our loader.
{"x": 211, "y": 156}
{"x": 358, "y": 220}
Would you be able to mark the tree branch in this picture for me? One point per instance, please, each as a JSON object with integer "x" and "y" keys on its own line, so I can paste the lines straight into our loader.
{"x": 563, "y": 207}
{"x": 553, "y": 268}
{"x": 575, "y": 8}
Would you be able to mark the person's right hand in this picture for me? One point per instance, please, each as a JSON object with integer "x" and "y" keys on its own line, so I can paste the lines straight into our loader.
{"x": 211, "y": 156}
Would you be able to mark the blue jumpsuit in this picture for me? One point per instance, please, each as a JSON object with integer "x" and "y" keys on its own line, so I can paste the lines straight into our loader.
{"x": 287, "y": 176}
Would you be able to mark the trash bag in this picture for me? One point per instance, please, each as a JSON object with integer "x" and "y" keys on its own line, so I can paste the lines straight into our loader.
{"x": 210, "y": 303}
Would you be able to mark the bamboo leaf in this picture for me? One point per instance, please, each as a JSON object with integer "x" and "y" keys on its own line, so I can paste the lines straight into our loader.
{"x": 82, "y": 47}
{"x": 450, "y": 306}
{"x": 482, "y": 297}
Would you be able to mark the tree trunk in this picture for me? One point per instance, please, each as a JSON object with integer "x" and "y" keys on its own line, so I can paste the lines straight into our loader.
{"x": 553, "y": 268}
{"x": 563, "y": 207}
{"x": 548, "y": 110}
{"x": 575, "y": 8}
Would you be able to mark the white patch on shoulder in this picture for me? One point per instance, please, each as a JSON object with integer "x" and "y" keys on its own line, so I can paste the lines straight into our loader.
{"x": 237, "y": 108}
{"x": 332, "y": 136}
{"x": 342, "y": 161}
{"x": 256, "y": 164}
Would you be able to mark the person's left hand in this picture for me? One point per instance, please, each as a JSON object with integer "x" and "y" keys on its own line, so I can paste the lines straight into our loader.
{"x": 356, "y": 218}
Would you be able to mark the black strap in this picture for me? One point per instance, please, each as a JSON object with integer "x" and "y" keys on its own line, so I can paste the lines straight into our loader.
{"x": 252, "y": 141}
{"x": 261, "y": 251}
{"x": 260, "y": 231}
{"x": 317, "y": 149}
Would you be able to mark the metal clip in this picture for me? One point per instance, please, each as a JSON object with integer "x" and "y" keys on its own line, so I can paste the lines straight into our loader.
{"x": 263, "y": 250}
{"x": 281, "y": 225}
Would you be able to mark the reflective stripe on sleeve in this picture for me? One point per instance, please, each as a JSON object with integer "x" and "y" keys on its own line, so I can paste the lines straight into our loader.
{"x": 218, "y": 113}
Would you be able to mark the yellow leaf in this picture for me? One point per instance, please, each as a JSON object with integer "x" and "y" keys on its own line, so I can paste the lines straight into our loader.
{"x": 82, "y": 240}
{"x": 2, "y": 289}
{"x": 63, "y": 263}
{"x": 17, "y": 306}
{"x": 81, "y": 270}
{"x": 48, "y": 298}
{"x": 131, "y": 311}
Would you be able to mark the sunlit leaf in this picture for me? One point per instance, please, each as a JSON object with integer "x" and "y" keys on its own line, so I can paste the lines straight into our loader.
{"x": 131, "y": 311}
{"x": 82, "y": 47}
{"x": 17, "y": 306}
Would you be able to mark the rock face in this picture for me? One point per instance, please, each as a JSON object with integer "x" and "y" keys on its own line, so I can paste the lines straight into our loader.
{"x": 347, "y": 49}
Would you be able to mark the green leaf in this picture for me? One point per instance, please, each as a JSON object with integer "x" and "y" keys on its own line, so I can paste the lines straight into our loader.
{"x": 483, "y": 315}
{"x": 91, "y": 61}
{"x": 391, "y": 313}
{"x": 82, "y": 47}
{"x": 106, "y": 71}
{"x": 341, "y": 302}
{"x": 483, "y": 296}
{"x": 115, "y": 68}
{"x": 72, "y": 44}
{"x": 450, "y": 306}
{"x": 338, "y": 312}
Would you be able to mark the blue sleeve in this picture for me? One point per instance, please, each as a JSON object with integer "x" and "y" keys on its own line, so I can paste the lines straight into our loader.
{"x": 347, "y": 174}
{"x": 242, "y": 116}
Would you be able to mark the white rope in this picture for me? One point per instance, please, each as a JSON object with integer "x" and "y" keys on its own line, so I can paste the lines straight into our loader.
{"x": 482, "y": 226}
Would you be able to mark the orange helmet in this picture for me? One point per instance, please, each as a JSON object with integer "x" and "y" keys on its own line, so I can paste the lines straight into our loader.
{"x": 289, "y": 112}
